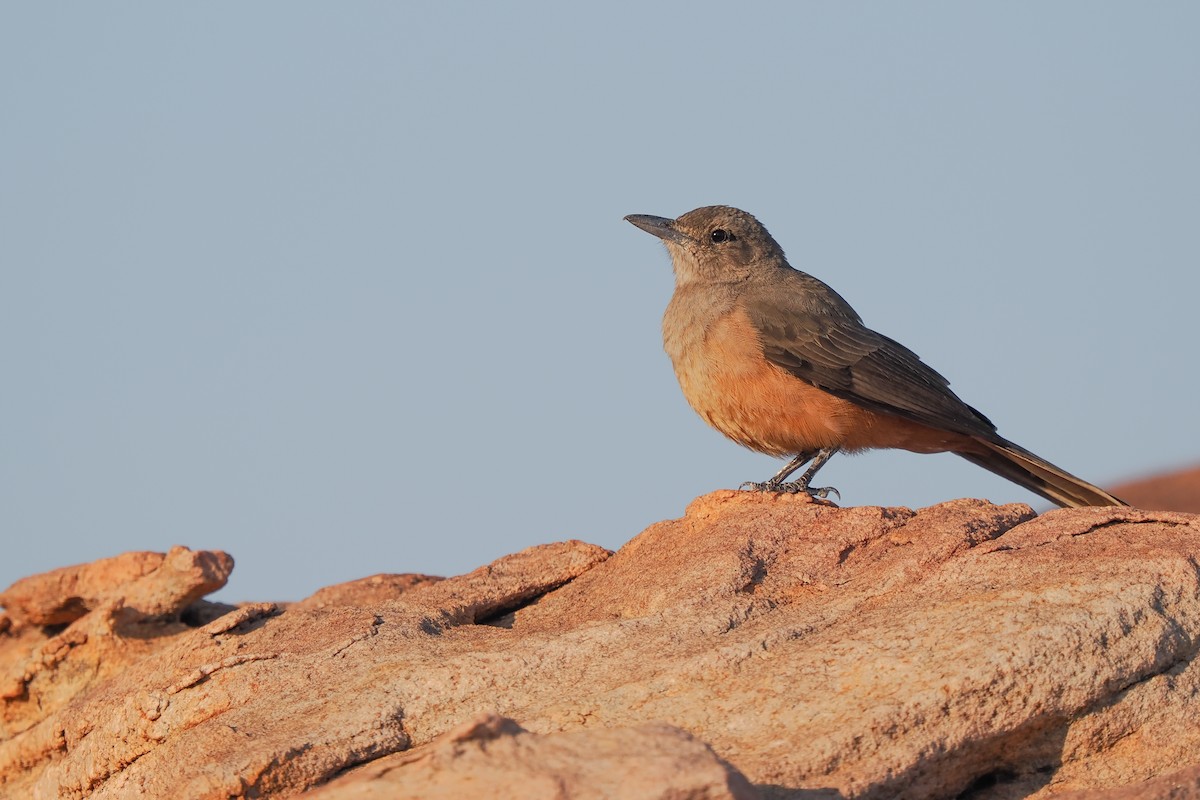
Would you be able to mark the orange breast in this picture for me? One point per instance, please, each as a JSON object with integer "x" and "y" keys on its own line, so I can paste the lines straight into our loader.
{"x": 729, "y": 383}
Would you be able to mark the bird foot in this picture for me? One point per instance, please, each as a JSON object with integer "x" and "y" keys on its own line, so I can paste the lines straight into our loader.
{"x": 798, "y": 487}
{"x": 791, "y": 487}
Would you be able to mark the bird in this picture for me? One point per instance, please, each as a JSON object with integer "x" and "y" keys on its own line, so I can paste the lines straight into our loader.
{"x": 780, "y": 363}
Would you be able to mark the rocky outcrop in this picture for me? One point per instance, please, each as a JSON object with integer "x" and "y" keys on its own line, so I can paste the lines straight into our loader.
{"x": 147, "y": 584}
{"x": 1174, "y": 491}
{"x": 761, "y": 645}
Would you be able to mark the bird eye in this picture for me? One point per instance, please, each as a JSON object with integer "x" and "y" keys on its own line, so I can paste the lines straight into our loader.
{"x": 721, "y": 235}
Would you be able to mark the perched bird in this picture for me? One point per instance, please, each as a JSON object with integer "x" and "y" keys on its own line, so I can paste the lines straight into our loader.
{"x": 780, "y": 363}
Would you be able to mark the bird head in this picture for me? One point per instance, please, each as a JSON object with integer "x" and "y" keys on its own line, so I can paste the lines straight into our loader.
{"x": 714, "y": 244}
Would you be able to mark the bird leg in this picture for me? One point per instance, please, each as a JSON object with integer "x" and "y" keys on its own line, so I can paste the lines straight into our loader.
{"x": 801, "y": 483}
{"x": 777, "y": 481}
{"x": 776, "y": 484}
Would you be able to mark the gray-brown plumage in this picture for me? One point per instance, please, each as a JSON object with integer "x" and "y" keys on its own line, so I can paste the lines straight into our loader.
{"x": 780, "y": 363}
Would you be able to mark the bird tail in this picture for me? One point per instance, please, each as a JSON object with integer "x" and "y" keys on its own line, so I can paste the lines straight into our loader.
{"x": 1038, "y": 475}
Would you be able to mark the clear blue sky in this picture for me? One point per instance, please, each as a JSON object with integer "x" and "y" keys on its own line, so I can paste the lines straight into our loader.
{"x": 345, "y": 288}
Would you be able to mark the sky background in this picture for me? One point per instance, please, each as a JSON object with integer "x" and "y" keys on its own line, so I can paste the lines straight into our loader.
{"x": 345, "y": 288}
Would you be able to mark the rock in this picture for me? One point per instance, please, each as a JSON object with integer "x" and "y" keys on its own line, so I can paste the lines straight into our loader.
{"x": 962, "y": 649}
{"x": 71, "y": 628}
{"x": 1176, "y": 786}
{"x": 1173, "y": 491}
{"x": 486, "y": 593}
{"x": 365, "y": 591}
{"x": 652, "y": 761}
{"x": 148, "y": 584}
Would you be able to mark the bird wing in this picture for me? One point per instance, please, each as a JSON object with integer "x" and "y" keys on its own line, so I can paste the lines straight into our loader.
{"x": 824, "y": 343}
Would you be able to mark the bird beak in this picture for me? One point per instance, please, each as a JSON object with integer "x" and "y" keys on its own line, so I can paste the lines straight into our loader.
{"x": 661, "y": 227}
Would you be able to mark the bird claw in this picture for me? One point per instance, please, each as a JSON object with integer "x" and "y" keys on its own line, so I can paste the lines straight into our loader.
{"x": 794, "y": 487}
{"x": 800, "y": 487}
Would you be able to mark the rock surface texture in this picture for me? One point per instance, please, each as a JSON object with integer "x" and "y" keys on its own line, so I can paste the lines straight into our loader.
{"x": 760, "y": 647}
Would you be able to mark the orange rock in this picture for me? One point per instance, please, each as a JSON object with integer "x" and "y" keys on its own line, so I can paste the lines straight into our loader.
{"x": 149, "y": 583}
{"x": 494, "y": 757}
{"x": 73, "y": 627}
{"x": 1173, "y": 491}
{"x": 859, "y": 652}
{"x": 367, "y": 591}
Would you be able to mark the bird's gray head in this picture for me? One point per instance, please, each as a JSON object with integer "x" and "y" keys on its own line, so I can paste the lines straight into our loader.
{"x": 714, "y": 243}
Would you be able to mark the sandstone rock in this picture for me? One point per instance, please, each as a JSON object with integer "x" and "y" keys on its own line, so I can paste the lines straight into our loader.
{"x": 823, "y": 652}
{"x": 478, "y": 596}
{"x": 367, "y": 591}
{"x": 149, "y": 584}
{"x": 1176, "y": 786}
{"x": 1172, "y": 491}
{"x": 118, "y": 610}
{"x": 494, "y": 757}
